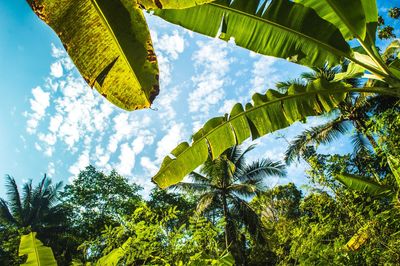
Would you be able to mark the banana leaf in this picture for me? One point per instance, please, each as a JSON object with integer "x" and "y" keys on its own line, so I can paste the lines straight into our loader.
{"x": 37, "y": 253}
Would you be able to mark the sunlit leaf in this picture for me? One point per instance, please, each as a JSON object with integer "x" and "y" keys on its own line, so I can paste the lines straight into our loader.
{"x": 110, "y": 44}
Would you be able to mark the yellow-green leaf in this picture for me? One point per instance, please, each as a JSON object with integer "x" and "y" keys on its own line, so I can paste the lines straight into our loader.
{"x": 110, "y": 44}
{"x": 38, "y": 254}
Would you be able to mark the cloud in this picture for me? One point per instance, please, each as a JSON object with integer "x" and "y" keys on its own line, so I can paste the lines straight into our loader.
{"x": 56, "y": 70}
{"x": 126, "y": 160}
{"x": 264, "y": 74}
{"x": 174, "y": 135}
{"x": 212, "y": 64}
{"x": 39, "y": 104}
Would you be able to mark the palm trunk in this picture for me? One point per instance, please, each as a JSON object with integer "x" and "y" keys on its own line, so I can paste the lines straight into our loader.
{"x": 226, "y": 216}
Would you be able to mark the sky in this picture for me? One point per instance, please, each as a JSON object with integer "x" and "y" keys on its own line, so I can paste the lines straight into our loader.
{"x": 52, "y": 122}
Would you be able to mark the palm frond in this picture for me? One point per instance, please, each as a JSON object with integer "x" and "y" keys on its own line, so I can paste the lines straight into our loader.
{"x": 14, "y": 197}
{"x": 239, "y": 158}
{"x": 246, "y": 189}
{"x": 322, "y": 134}
{"x": 5, "y": 213}
{"x": 199, "y": 178}
{"x": 261, "y": 169}
{"x": 283, "y": 86}
{"x": 360, "y": 144}
{"x": 196, "y": 188}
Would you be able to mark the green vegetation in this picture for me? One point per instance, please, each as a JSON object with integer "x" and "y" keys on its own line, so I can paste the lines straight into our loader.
{"x": 224, "y": 214}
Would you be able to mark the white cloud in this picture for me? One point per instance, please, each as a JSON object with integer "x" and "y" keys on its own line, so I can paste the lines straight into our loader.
{"x": 174, "y": 135}
{"x": 212, "y": 63}
{"x": 126, "y": 160}
{"x": 227, "y": 106}
{"x": 265, "y": 74}
{"x": 56, "y": 70}
{"x": 79, "y": 165}
{"x": 51, "y": 170}
{"x": 39, "y": 104}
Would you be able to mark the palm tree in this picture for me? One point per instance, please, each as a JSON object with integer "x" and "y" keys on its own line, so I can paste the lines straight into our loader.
{"x": 353, "y": 113}
{"x": 37, "y": 209}
{"x": 224, "y": 184}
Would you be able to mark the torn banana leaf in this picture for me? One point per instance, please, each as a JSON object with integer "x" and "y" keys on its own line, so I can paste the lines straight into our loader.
{"x": 277, "y": 28}
{"x": 110, "y": 44}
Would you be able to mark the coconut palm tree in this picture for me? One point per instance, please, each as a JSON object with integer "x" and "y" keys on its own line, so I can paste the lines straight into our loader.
{"x": 224, "y": 185}
{"x": 352, "y": 113}
{"x": 36, "y": 208}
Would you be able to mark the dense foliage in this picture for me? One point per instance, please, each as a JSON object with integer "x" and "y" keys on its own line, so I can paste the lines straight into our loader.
{"x": 224, "y": 214}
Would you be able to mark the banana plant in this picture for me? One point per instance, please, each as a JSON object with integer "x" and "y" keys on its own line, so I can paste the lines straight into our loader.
{"x": 110, "y": 44}
{"x": 363, "y": 184}
{"x": 268, "y": 112}
{"x": 37, "y": 253}
{"x": 308, "y": 32}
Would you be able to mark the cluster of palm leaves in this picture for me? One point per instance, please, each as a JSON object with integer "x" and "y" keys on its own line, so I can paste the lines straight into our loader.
{"x": 224, "y": 186}
{"x": 36, "y": 208}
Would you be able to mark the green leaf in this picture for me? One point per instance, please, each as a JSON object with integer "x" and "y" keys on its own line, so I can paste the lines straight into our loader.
{"x": 37, "y": 253}
{"x": 353, "y": 71}
{"x": 112, "y": 258}
{"x": 351, "y": 17}
{"x": 282, "y": 29}
{"x": 394, "y": 165}
{"x": 270, "y": 112}
{"x": 171, "y": 4}
{"x": 110, "y": 44}
{"x": 362, "y": 184}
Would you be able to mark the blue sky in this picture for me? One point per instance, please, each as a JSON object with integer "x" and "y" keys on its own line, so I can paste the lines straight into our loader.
{"x": 52, "y": 122}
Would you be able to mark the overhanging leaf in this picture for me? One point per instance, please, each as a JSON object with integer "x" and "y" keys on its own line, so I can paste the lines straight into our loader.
{"x": 283, "y": 29}
{"x": 269, "y": 113}
{"x": 362, "y": 184}
{"x": 110, "y": 44}
{"x": 37, "y": 253}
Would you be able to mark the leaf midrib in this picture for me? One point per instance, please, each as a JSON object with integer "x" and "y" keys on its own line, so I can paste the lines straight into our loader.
{"x": 382, "y": 90}
{"x": 233, "y": 10}
{"x": 116, "y": 41}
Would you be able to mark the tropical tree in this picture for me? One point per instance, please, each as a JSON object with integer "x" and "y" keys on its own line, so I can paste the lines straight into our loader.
{"x": 97, "y": 199}
{"x": 37, "y": 208}
{"x": 224, "y": 184}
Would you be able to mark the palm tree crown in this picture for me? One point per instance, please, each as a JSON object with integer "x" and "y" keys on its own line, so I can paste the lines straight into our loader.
{"x": 37, "y": 208}
{"x": 225, "y": 183}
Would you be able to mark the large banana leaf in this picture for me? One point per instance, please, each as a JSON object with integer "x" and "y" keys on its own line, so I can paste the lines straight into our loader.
{"x": 282, "y": 29}
{"x": 363, "y": 184}
{"x": 269, "y": 113}
{"x": 110, "y": 45}
{"x": 38, "y": 255}
{"x": 355, "y": 18}
{"x": 171, "y": 4}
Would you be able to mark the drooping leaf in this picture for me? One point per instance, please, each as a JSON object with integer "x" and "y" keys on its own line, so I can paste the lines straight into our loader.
{"x": 363, "y": 184}
{"x": 270, "y": 112}
{"x": 37, "y": 253}
{"x": 110, "y": 44}
{"x": 282, "y": 29}
{"x": 394, "y": 165}
{"x": 171, "y": 4}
